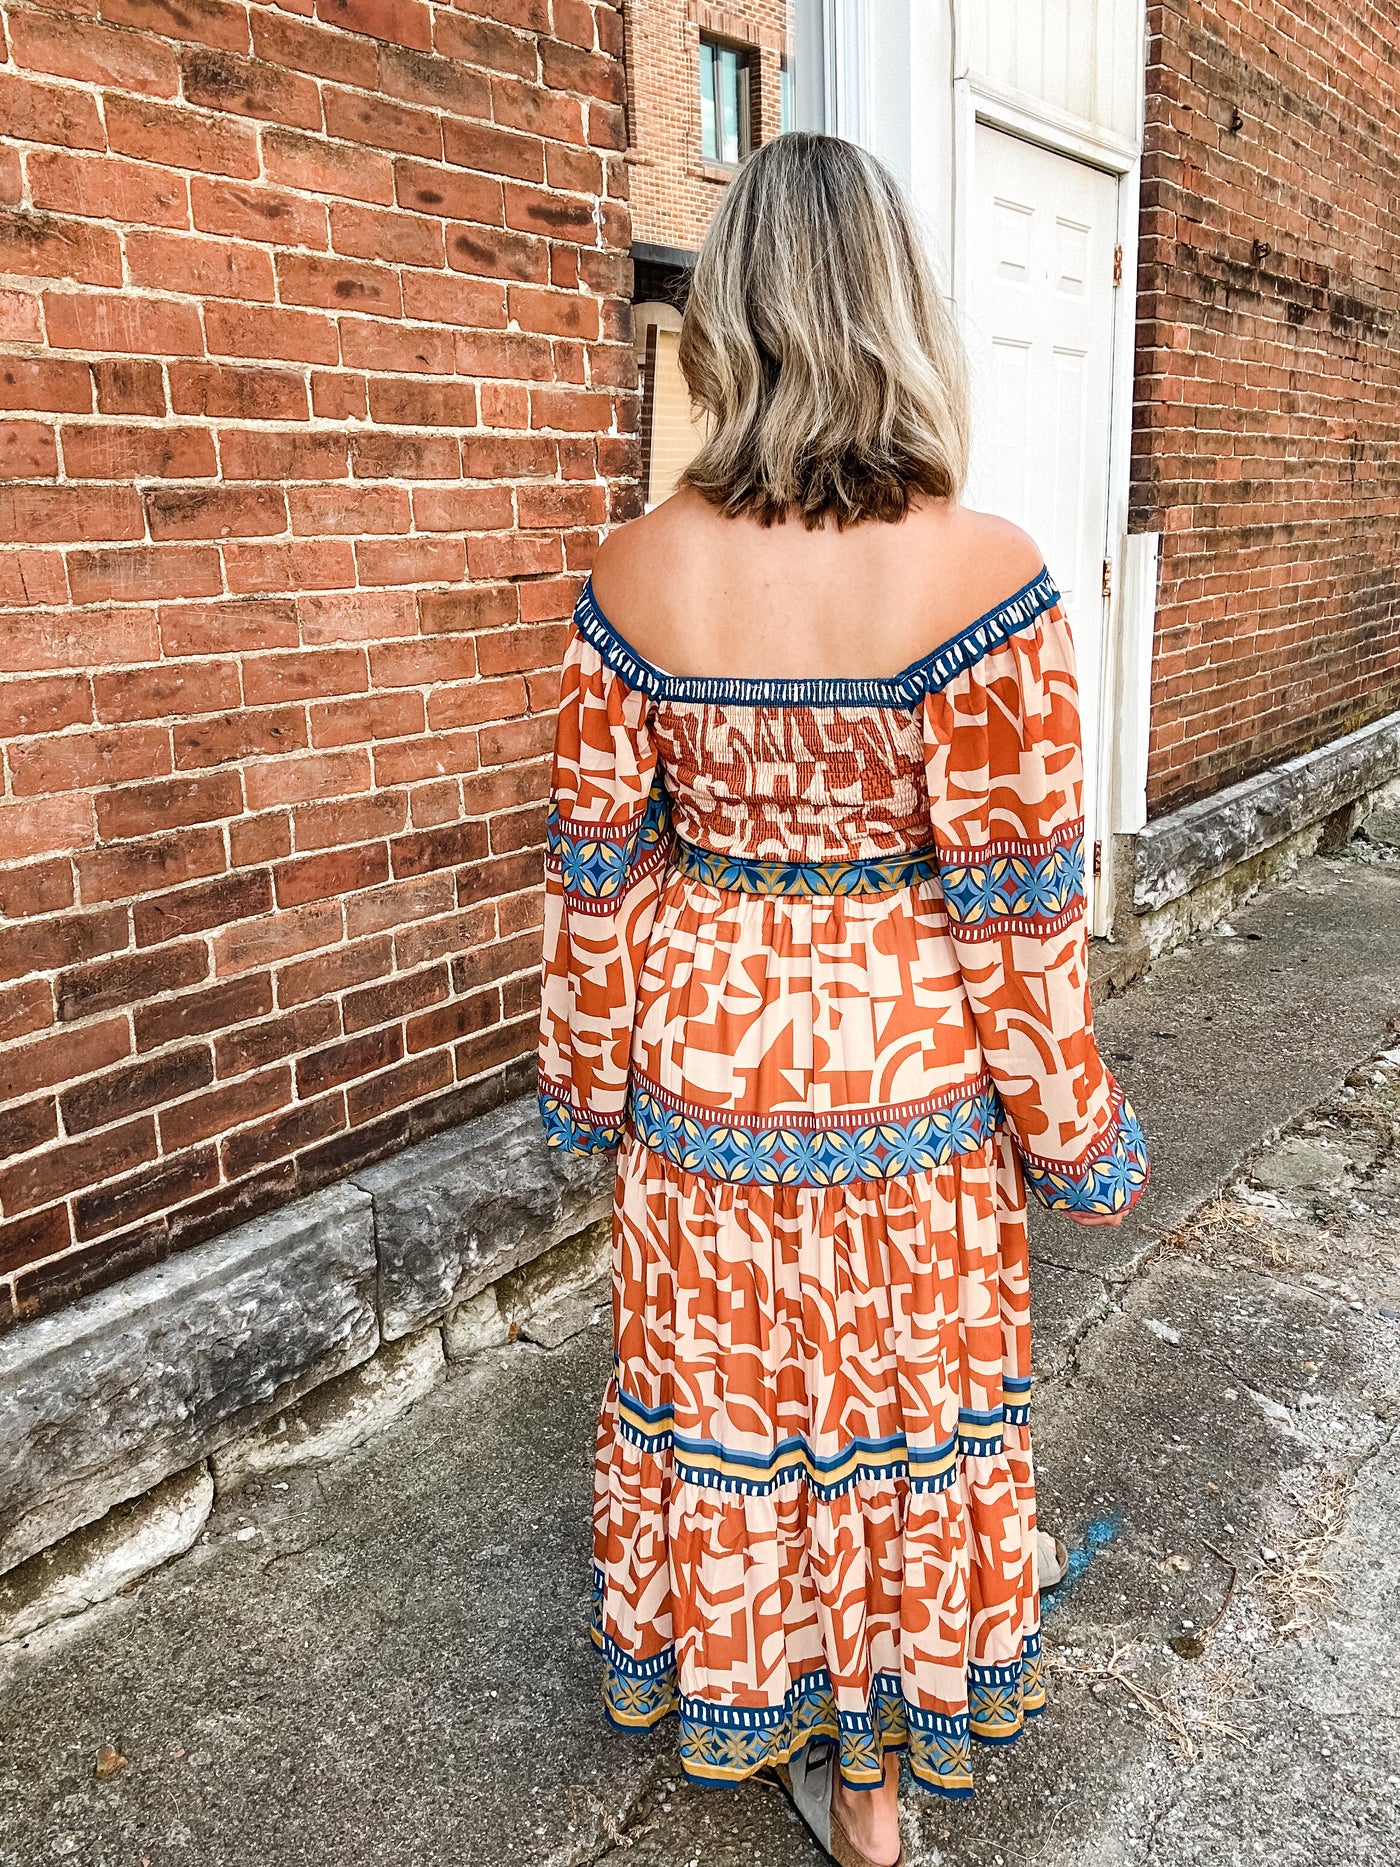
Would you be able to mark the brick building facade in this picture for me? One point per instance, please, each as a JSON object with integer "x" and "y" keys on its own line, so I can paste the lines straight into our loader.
{"x": 317, "y": 386}
{"x": 673, "y": 188}
{"x": 1267, "y": 418}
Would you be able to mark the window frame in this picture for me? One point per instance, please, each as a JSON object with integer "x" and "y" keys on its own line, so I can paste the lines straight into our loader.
{"x": 713, "y": 48}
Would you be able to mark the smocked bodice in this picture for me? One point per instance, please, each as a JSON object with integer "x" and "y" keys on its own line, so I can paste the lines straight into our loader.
{"x": 838, "y": 783}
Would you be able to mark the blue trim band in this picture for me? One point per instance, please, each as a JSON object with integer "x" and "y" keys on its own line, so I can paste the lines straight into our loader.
{"x": 1038, "y": 888}
{"x": 573, "y": 1130}
{"x": 861, "y": 1145}
{"x": 745, "y": 875}
{"x": 713, "y": 1467}
{"x": 598, "y": 862}
{"x": 903, "y": 690}
{"x": 723, "y": 1743}
{"x": 1111, "y": 1182}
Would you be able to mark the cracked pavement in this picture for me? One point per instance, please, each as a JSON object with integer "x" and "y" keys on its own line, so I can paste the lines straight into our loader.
{"x": 388, "y": 1654}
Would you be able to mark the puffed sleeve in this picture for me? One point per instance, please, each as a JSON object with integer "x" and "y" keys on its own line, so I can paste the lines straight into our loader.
{"x": 608, "y": 838}
{"x": 1005, "y": 774}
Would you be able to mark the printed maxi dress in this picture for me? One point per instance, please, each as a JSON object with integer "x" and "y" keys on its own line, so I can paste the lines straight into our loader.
{"x": 815, "y": 964}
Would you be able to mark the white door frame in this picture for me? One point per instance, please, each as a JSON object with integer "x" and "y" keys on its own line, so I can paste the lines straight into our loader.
{"x": 975, "y": 101}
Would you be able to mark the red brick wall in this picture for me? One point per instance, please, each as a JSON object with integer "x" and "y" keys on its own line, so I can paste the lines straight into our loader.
{"x": 315, "y": 392}
{"x": 1267, "y": 446}
{"x": 674, "y": 192}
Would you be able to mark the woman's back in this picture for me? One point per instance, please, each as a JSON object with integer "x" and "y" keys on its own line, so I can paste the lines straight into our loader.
{"x": 698, "y": 593}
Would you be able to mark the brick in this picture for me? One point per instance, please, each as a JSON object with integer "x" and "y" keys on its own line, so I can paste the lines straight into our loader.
{"x": 20, "y": 319}
{"x": 137, "y": 810}
{"x": 489, "y": 606}
{"x": 157, "y": 693}
{"x": 341, "y": 1063}
{"x": 407, "y": 1082}
{"x": 428, "y": 188}
{"x": 383, "y": 562}
{"x": 404, "y": 456}
{"x": 59, "y": 1170}
{"x": 180, "y": 137}
{"x": 353, "y": 722}
{"x": 60, "y": 1057}
{"x": 371, "y": 343}
{"x": 40, "y": 826}
{"x": 43, "y": 706}
{"x": 219, "y": 512}
{"x": 339, "y": 284}
{"x": 196, "y": 1014}
{"x": 214, "y": 1113}
{"x": 48, "y": 113}
{"x": 356, "y": 118}
{"x": 37, "y": 1235}
{"x": 399, "y": 22}
{"x": 485, "y": 43}
{"x": 25, "y": 1008}
{"x": 127, "y": 387}
{"x": 30, "y": 1125}
{"x": 249, "y": 87}
{"x": 117, "y": 984}
{"x": 286, "y": 1134}
{"x": 359, "y": 616}
{"x": 36, "y": 888}
{"x": 205, "y": 268}
{"x": 110, "y": 875}
{"x": 497, "y": 254}
{"x": 494, "y": 151}
{"x": 325, "y": 877}
{"x": 119, "y": 451}
{"x": 247, "y": 211}
{"x": 167, "y": 1183}
{"x": 143, "y": 571}
{"x": 422, "y": 405}
{"x": 461, "y": 508}
{"x": 420, "y": 853}
{"x": 393, "y": 999}
{"x": 260, "y": 454}
{"x": 344, "y": 170}
{"x": 437, "y": 83}
{"x": 317, "y": 564}
{"x": 93, "y": 54}
{"x": 319, "y": 977}
{"x": 327, "y": 826}
{"x": 79, "y": 761}
{"x": 257, "y": 1045}
{"x": 222, "y": 391}
{"x": 272, "y": 937}
{"x": 542, "y": 112}
{"x": 113, "y": 321}
{"x": 306, "y": 47}
{"x": 202, "y": 906}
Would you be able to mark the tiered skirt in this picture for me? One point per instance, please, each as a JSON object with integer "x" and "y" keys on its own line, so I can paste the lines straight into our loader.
{"x": 814, "y": 1491}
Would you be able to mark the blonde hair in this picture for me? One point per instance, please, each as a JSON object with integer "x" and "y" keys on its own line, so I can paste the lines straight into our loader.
{"x": 819, "y": 346}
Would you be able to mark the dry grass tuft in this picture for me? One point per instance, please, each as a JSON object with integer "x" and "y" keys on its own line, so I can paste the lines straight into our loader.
{"x": 1298, "y": 1588}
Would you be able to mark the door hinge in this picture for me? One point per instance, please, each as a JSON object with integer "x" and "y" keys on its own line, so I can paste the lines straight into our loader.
{"x": 1108, "y": 576}
{"x": 1098, "y": 857}
{"x": 1117, "y": 265}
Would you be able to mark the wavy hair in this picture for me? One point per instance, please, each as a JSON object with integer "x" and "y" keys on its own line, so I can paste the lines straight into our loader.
{"x": 819, "y": 346}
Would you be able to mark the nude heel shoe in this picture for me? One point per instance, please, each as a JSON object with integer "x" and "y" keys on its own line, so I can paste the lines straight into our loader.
{"x": 809, "y": 1781}
{"x": 1051, "y": 1560}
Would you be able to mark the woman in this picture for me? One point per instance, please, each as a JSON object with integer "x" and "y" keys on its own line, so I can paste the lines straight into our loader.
{"x": 815, "y": 964}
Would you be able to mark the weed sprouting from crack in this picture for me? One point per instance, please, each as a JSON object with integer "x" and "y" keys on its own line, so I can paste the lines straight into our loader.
{"x": 1226, "y": 1224}
{"x": 1183, "y": 1722}
{"x": 1298, "y": 1588}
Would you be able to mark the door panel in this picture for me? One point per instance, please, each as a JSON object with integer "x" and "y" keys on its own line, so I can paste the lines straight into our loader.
{"x": 1039, "y": 324}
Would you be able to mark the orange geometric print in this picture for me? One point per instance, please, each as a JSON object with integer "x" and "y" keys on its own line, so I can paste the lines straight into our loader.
{"x": 815, "y": 1502}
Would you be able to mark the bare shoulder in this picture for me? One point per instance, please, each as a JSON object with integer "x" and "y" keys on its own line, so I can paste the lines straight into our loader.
{"x": 982, "y": 560}
{"x": 638, "y": 564}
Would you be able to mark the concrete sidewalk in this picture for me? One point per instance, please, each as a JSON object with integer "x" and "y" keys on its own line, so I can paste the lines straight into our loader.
{"x": 386, "y": 1658}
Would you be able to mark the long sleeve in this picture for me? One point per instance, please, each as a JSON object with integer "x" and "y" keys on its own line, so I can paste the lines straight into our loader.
{"x": 608, "y": 837}
{"x": 1002, "y": 746}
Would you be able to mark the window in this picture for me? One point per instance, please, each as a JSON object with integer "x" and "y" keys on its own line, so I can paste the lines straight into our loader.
{"x": 785, "y": 99}
{"x": 724, "y": 103}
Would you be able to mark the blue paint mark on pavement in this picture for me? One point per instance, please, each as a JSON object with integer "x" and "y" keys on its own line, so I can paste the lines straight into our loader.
{"x": 1097, "y": 1537}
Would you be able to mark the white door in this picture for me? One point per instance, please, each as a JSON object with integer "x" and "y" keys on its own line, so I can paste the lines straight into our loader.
{"x": 1039, "y": 325}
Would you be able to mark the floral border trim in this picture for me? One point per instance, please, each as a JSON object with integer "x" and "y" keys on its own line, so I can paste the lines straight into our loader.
{"x": 597, "y": 862}
{"x": 748, "y": 875}
{"x": 1034, "y": 888}
{"x": 1110, "y": 1179}
{"x": 726, "y": 1743}
{"x": 860, "y": 1145}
